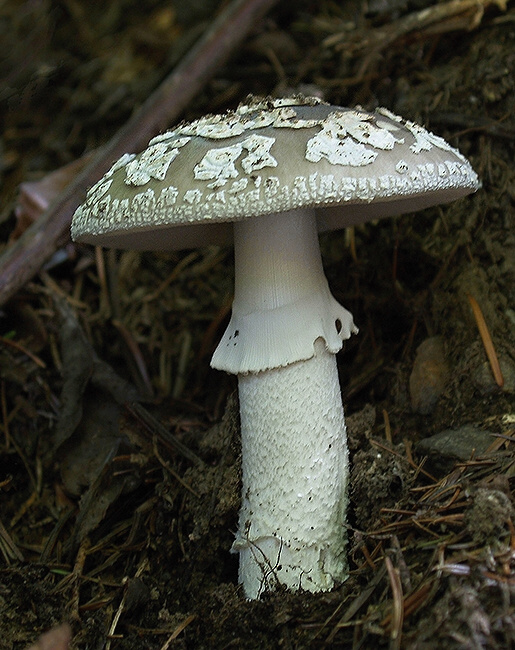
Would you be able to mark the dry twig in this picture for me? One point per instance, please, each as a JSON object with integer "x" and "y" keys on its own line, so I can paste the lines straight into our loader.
{"x": 441, "y": 18}
{"x": 487, "y": 341}
{"x": 21, "y": 261}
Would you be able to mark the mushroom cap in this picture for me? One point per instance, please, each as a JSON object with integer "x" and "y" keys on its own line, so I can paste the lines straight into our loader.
{"x": 270, "y": 156}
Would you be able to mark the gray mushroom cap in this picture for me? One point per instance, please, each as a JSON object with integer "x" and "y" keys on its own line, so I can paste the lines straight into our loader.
{"x": 270, "y": 156}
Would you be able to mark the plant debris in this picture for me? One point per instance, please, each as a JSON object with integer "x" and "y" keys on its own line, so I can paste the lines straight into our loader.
{"x": 119, "y": 448}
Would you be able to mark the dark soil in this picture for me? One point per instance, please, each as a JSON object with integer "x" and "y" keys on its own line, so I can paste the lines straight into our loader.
{"x": 105, "y": 522}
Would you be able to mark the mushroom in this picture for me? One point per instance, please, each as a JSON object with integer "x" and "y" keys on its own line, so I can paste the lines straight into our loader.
{"x": 275, "y": 172}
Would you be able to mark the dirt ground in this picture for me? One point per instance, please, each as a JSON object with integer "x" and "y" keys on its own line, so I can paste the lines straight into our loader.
{"x": 119, "y": 450}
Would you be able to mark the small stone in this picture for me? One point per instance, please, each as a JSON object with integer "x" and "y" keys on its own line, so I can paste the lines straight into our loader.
{"x": 56, "y": 639}
{"x": 429, "y": 375}
{"x": 453, "y": 445}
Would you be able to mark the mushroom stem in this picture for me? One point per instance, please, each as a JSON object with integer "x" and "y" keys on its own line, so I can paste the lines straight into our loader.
{"x": 295, "y": 469}
{"x": 282, "y": 302}
{"x": 284, "y": 331}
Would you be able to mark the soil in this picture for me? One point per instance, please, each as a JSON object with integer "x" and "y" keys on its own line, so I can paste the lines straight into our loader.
{"x": 119, "y": 450}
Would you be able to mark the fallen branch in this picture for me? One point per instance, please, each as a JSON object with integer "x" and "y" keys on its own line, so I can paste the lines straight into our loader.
{"x": 23, "y": 259}
{"x": 440, "y": 18}
{"x": 437, "y": 19}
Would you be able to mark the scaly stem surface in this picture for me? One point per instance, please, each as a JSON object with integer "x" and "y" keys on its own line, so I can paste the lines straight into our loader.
{"x": 281, "y": 341}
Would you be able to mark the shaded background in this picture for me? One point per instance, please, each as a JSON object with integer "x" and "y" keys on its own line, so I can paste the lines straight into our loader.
{"x": 119, "y": 468}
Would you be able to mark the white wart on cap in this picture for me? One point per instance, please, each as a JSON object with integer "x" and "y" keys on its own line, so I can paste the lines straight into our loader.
{"x": 270, "y": 156}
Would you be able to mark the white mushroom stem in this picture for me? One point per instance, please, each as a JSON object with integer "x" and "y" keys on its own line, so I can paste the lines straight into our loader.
{"x": 284, "y": 331}
{"x": 282, "y": 302}
{"x": 295, "y": 468}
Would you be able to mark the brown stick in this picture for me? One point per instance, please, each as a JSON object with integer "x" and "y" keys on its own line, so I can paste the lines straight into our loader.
{"x": 487, "y": 341}
{"x": 23, "y": 259}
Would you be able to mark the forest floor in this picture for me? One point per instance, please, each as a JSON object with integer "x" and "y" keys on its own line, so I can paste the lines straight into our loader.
{"x": 105, "y": 521}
